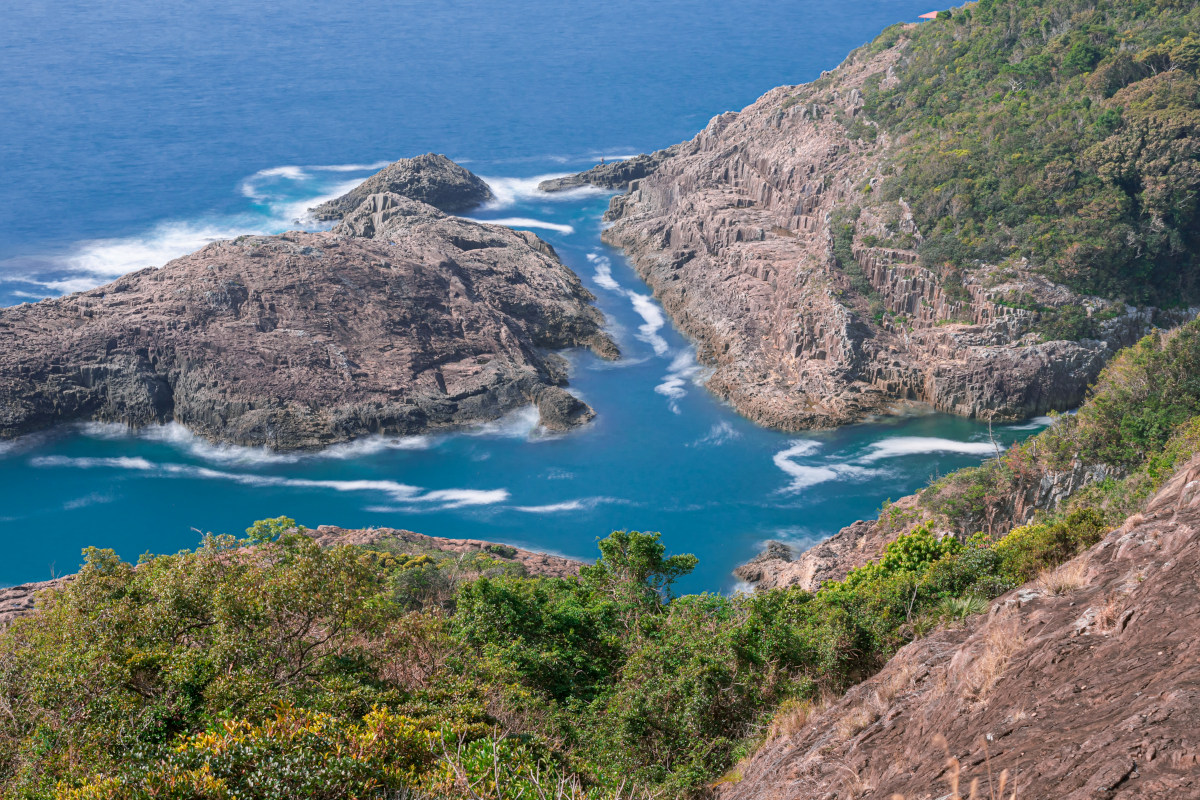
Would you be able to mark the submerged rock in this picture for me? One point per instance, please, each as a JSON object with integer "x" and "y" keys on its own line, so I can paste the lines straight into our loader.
{"x": 432, "y": 179}
{"x": 302, "y": 340}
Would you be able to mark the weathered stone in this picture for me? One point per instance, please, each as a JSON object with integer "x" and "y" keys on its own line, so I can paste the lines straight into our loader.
{"x": 612, "y": 175}
{"x": 302, "y": 340}
{"x": 432, "y": 179}
{"x": 1087, "y": 692}
{"x": 732, "y": 231}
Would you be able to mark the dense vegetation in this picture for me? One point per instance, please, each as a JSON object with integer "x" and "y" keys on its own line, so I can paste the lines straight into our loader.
{"x": 1063, "y": 131}
{"x": 267, "y": 667}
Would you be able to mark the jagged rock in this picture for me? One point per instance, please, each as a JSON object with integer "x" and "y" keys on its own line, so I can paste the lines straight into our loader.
{"x": 612, "y": 175}
{"x": 302, "y": 340}
{"x": 432, "y": 179}
{"x": 560, "y": 410}
{"x": 732, "y": 231}
{"x": 1083, "y": 693}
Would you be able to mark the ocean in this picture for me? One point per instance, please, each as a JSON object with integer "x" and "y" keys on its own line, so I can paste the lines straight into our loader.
{"x": 136, "y": 132}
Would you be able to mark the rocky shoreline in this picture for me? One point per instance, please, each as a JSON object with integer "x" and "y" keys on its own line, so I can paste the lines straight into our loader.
{"x": 400, "y": 320}
{"x": 734, "y": 232}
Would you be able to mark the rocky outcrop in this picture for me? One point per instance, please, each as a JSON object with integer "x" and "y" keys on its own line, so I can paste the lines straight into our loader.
{"x": 614, "y": 174}
{"x": 19, "y": 601}
{"x": 734, "y": 232}
{"x": 1081, "y": 687}
{"x": 302, "y": 340}
{"x": 432, "y": 179}
{"x": 1036, "y": 491}
{"x": 777, "y": 566}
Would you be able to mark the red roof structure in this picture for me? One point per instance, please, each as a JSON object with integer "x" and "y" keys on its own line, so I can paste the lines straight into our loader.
{"x": 930, "y": 15}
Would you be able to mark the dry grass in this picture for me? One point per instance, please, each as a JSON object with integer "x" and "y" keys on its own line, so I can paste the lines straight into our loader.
{"x": 1001, "y": 640}
{"x": 1108, "y": 619}
{"x": 855, "y": 719}
{"x": 997, "y": 785}
{"x": 1063, "y": 579}
{"x": 790, "y": 718}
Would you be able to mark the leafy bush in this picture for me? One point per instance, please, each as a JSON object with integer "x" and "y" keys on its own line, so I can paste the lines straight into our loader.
{"x": 1065, "y": 131}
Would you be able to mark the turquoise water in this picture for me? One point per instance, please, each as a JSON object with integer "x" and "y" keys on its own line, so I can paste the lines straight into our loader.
{"x": 137, "y": 133}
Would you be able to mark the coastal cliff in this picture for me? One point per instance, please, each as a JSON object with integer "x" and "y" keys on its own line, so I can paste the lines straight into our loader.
{"x": 803, "y": 244}
{"x": 306, "y": 339}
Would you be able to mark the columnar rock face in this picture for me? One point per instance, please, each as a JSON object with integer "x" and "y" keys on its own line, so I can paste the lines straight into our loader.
{"x": 1084, "y": 687}
{"x": 733, "y": 231}
{"x": 304, "y": 339}
{"x": 432, "y": 179}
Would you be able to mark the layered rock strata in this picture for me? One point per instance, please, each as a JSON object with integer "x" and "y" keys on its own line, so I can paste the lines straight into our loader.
{"x": 1080, "y": 686}
{"x": 432, "y": 179}
{"x": 304, "y": 339}
{"x": 734, "y": 232}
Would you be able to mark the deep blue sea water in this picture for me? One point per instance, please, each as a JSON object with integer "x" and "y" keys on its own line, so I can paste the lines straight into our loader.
{"x": 134, "y": 132}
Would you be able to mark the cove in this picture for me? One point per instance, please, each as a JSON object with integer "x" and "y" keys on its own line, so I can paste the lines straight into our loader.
{"x": 663, "y": 454}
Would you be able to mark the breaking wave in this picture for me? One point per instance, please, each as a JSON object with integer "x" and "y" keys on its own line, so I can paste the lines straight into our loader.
{"x": 915, "y": 445}
{"x": 414, "y": 496}
{"x": 806, "y": 475}
{"x": 526, "y": 222}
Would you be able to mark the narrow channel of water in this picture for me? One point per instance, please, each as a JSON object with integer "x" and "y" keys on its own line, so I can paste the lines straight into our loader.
{"x": 663, "y": 454}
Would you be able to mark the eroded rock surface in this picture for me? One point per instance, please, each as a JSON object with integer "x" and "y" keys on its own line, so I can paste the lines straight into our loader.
{"x": 733, "y": 231}
{"x": 614, "y": 174}
{"x": 1087, "y": 690}
{"x": 432, "y": 179}
{"x": 302, "y": 340}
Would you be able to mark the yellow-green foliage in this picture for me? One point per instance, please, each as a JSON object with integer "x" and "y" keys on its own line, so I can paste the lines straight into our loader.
{"x": 1028, "y": 551}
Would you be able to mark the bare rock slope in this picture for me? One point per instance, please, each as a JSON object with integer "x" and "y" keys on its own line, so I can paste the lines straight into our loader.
{"x": 1085, "y": 685}
{"x": 305, "y": 339}
{"x": 734, "y": 233}
{"x": 432, "y": 179}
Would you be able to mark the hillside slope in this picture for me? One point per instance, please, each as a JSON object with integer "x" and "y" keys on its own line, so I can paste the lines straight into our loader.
{"x": 1081, "y": 685}
{"x": 958, "y": 214}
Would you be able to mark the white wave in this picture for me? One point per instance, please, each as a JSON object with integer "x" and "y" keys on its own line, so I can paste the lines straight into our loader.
{"x": 92, "y": 499}
{"x": 742, "y": 587}
{"x": 649, "y": 311}
{"x": 580, "y": 504}
{"x": 913, "y": 445}
{"x": 519, "y": 424}
{"x": 805, "y": 475}
{"x": 683, "y": 370}
{"x": 797, "y": 537}
{"x": 179, "y": 437}
{"x": 718, "y": 434}
{"x": 507, "y": 192}
{"x": 458, "y": 498}
{"x": 1031, "y": 424}
{"x": 552, "y": 508}
{"x": 526, "y": 222}
{"x": 603, "y": 274}
{"x": 118, "y": 462}
{"x": 396, "y": 491}
{"x": 93, "y": 262}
